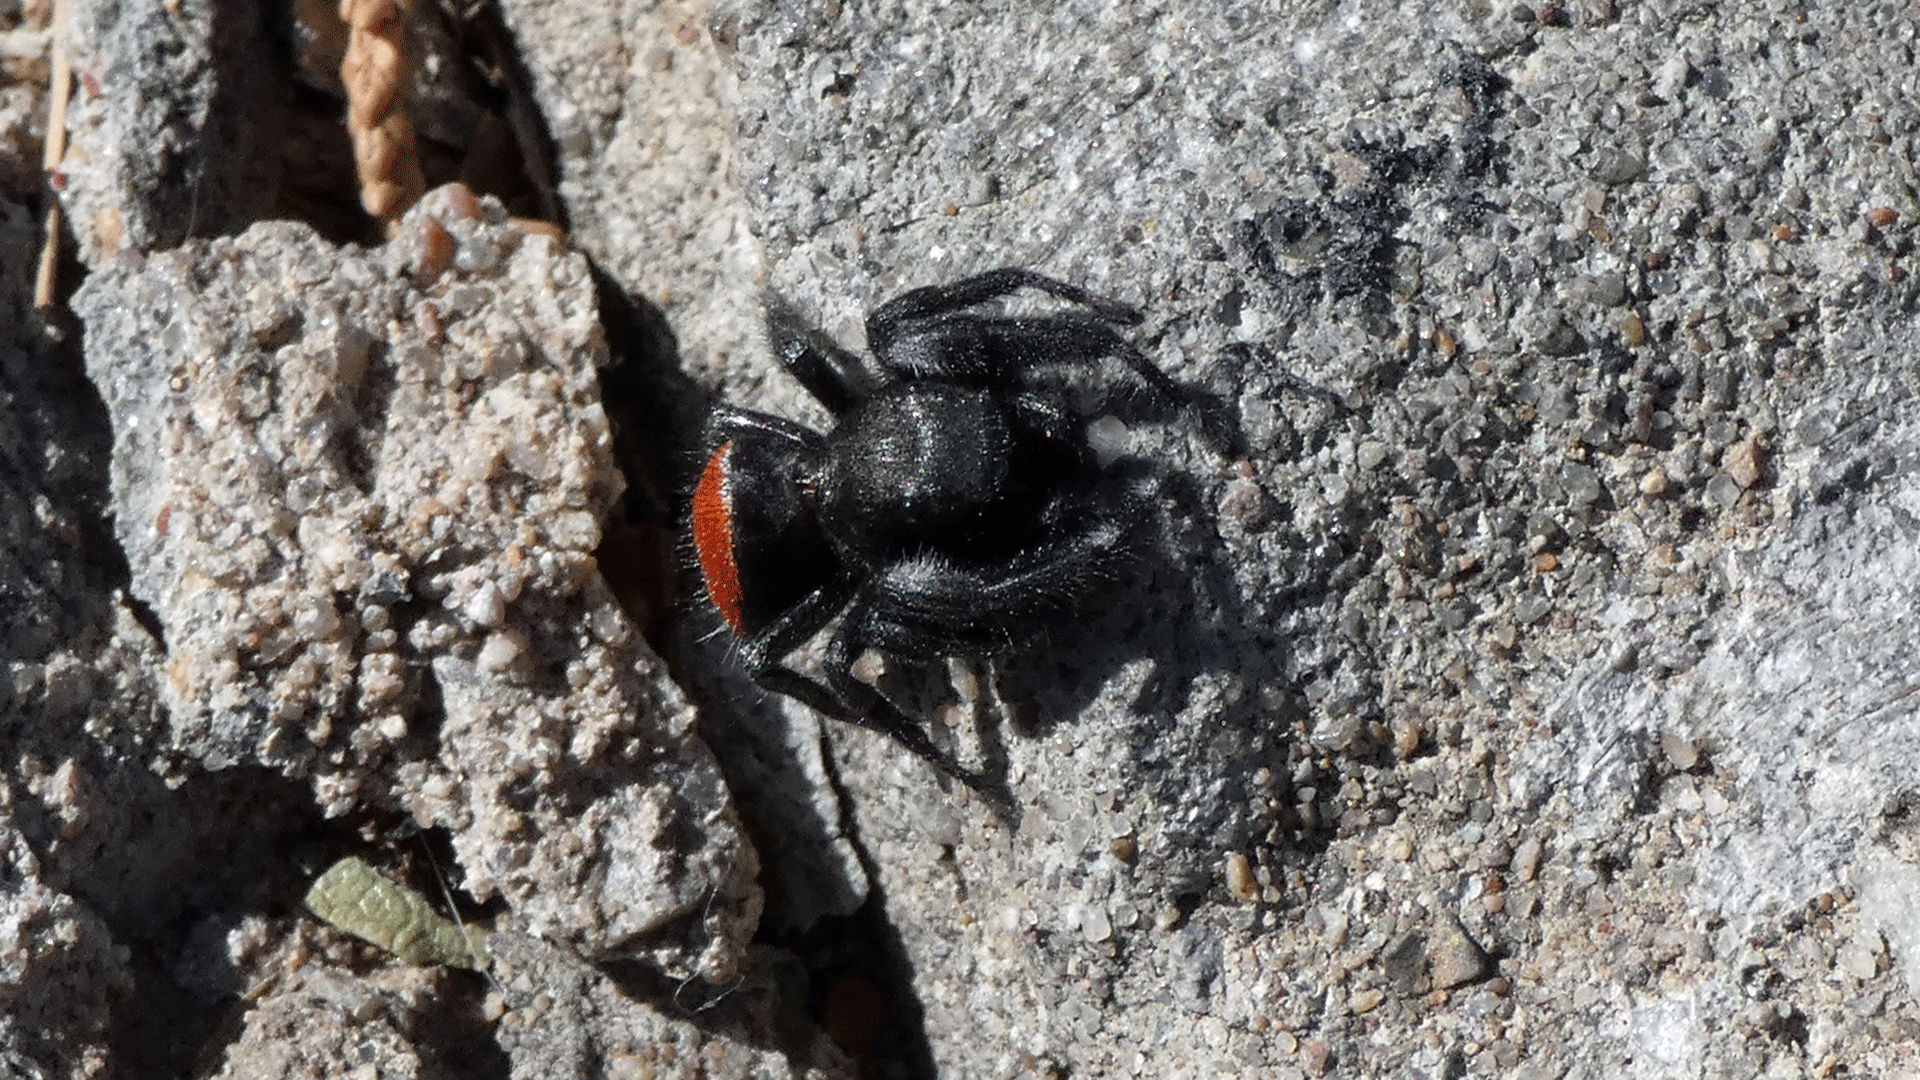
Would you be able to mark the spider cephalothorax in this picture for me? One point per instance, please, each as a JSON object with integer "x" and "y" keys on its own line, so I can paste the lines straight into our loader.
{"x": 951, "y": 509}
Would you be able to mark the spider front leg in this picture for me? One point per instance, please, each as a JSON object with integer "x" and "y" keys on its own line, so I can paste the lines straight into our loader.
{"x": 830, "y": 373}
{"x": 763, "y": 651}
{"x": 1068, "y": 338}
{"x": 850, "y": 701}
{"x": 1076, "y": 339}
{"x": 726, "y": 422}
{"x": 890, "y": 319}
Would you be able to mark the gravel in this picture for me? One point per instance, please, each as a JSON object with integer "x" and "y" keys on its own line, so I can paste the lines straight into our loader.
{"x": 1525, "y": 695}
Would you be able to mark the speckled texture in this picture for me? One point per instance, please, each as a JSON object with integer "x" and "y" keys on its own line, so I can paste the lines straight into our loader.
{"x": 1603, "y": 316}
{"x": 361, "y": 492}
{"x": 565, "y": 1018}
{"x": 635, "y": 97}
{"x": 539, "y": 1013}
{"x": 310, "y": 1022}
{"x": 1530, "y": 697}
{"x": 59, "y": 974}
{"x": 639, "y": 100}
{"x": 171, "y": 124}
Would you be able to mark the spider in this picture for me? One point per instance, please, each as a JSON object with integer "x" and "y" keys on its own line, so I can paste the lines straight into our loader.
{"x": 949, "y": 512}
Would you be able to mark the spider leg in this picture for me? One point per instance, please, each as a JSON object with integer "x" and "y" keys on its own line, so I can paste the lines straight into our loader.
{"x": 885, "y": 322}
{"x": 830, "y": 373}
{"x": 1069, "y": 338}
{"x": 990, "y": 349}
{"x": 726, "y": 421}
{"x": 1044, "y": 415}
{"x": 766, "y": 647}
{"x": 862, "y": 705}
{"x": 926, "y": 605}
{"x": 851, "y": 701}
{"x": 1072, "y": 338}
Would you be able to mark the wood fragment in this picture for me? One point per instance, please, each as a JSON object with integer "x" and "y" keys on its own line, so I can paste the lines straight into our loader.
{"x": 53, "y": 153}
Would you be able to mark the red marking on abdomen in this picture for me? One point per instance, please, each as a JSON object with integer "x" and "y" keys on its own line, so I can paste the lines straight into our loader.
{"x": 713, "y": 537}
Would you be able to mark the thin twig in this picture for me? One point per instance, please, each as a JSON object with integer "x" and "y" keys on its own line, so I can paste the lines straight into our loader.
{"x": 55, "y": 151}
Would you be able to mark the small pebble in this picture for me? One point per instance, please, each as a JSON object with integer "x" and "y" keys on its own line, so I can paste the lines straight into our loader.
{"x": 1108, "y": 438}
{"x": 433, "y": 253}
{"x": 486, "y": 607}
{"x": 1245, "y": 505}
{"x": 1861, "y": 958}
{"x": 1681, "y": 753}
{"x": 1617, "y": 166}
{"x": 499, "y": 653}
{"x": 1095, "y": 924}
{"x": 1240, "y": 879}
{"x": 1745, "y": 461}
{"x": 1455, "y": 958}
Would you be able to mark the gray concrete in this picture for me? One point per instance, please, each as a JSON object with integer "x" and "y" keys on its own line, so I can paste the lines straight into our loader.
{"x": 1530, "y": 694}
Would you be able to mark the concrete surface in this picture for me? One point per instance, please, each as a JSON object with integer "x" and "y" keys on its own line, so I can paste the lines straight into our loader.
{"x": 1529, "y": 693}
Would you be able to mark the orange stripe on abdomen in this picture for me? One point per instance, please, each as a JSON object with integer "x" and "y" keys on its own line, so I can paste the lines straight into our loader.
{"x": 713, "y": 537}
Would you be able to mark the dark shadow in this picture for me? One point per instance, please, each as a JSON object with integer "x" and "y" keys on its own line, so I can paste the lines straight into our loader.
{"x": 455, "y": 1039}
{"x": 656, "y": 412}
{"x": 169, "y": 872}
{"x": 862, "y": 991}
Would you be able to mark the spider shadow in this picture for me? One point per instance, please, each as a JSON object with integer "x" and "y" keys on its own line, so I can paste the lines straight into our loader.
{"x": 1170, "y": 665}
{"x": 1172, "y": 606}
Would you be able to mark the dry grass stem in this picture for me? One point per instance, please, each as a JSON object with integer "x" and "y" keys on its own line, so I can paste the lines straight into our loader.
{"x": 375, "y": 72}
{"x": 54, "y": 152}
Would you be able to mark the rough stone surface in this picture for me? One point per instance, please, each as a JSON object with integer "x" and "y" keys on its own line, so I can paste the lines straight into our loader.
{"x": 541, "y": 1013}
{"x": 635, "y": 97}
{"x": 566, "y": 1018}
{"x": 638, "y": 99}
{"x": 171, "y": 122}
{"x": 1529, "y": 695}
{"x": 59, "y": 974}
{"x": 1570, "y": 345}
{"x": 365, "y": 522}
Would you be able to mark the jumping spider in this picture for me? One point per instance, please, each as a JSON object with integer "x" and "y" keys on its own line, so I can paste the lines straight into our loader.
{"x": 948, "y": 513}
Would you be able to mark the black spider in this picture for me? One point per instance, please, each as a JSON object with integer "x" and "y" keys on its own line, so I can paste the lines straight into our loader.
{"x": 950, "y": 510}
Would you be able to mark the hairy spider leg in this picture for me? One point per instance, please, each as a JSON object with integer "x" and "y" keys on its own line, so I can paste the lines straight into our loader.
{"x": 1075, "y": 339}
{"x": 854, "y": 702}
{"x": 930, "y": 301}
{"x": 864, "y": 706}
{"x": 729, "y": 420}
{"x": 931, "y": 606}
{"x": 764, "y": 649}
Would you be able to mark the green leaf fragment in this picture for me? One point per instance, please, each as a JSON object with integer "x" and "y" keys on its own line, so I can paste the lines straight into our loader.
{"x": 352, "y": 897}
